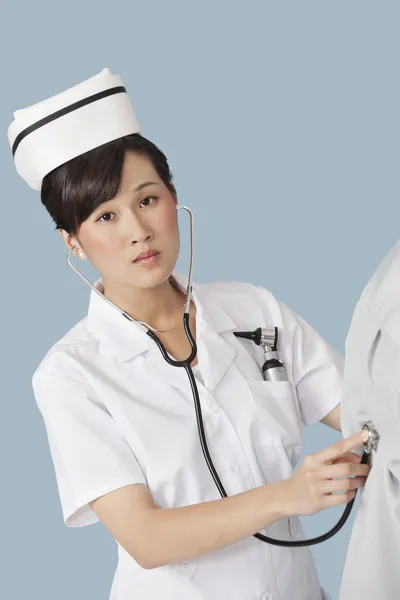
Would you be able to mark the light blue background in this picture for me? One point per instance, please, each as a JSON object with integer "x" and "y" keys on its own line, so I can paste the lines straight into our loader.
{"x": 280, "y": 121}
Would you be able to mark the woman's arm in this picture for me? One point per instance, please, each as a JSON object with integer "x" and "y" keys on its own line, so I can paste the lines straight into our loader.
{"x": 332, "y": 419}
{"x": 159, "y": 536}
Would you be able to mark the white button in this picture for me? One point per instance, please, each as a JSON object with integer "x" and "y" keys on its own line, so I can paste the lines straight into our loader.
{"x": 234, "y": 470}
{"x": 266, "y": 596}
{"x": 185, "y": 565}
{"x": 213, "y": 407}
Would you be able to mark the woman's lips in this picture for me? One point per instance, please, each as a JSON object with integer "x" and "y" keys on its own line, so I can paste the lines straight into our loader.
{"x": 151, "y": 260}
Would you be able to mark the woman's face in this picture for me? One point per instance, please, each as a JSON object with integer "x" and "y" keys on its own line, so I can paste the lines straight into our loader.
{"x": 141, "y": 217}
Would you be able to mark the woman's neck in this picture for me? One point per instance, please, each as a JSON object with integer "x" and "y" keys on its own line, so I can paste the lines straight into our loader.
{"x": 161, "y": 307}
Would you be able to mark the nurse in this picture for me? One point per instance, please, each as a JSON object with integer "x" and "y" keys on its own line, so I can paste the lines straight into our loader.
{"x": 121, "y": 422}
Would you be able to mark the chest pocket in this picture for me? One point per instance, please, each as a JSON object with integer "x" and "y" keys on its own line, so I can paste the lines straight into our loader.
{"x": 278, "y": 412}
{"x": 279, "y": 427}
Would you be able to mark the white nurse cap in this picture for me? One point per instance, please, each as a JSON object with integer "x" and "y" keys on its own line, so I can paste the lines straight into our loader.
{"x": 45, "y": 135}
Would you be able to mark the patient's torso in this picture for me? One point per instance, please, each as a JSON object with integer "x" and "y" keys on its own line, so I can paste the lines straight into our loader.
{"x": 371, "y": 392}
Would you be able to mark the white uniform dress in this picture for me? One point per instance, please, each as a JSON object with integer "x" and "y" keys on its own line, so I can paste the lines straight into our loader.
{"x": 116, "y": 414}
{"x": 372, "y": 393}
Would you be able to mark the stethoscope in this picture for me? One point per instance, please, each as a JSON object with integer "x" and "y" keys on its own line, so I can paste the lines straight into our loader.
{"x": 273, "y": 370}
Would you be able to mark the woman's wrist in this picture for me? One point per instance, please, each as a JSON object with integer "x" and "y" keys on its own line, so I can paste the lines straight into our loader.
{"x": 277, "y": 496}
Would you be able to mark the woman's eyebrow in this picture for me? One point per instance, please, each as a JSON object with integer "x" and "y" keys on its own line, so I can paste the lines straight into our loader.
{"x": 142, "y": 185}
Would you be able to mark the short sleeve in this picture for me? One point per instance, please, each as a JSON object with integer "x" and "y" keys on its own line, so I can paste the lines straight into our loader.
{"x": 317, "y": 368}
{"x": 90, "y": 455}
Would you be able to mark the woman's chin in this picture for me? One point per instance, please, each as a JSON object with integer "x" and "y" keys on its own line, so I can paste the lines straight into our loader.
{"x": 148, "y": 278}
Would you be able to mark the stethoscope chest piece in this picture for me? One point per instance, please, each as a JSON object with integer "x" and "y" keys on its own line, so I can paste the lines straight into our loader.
{"x": 373, "y": 440}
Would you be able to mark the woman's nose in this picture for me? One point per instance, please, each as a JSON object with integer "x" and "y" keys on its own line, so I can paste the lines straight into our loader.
{"x": 137, "y": 229}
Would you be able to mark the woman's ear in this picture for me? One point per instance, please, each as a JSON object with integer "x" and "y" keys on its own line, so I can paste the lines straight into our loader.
{"x": 174, "y": 192}
{"x": 70, "y": 242}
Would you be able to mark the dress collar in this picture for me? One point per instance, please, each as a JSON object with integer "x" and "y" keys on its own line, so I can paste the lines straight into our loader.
{"x": 126, "y": 340}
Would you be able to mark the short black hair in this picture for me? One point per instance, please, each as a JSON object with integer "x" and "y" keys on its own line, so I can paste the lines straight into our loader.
{"x": 72, "y": 191}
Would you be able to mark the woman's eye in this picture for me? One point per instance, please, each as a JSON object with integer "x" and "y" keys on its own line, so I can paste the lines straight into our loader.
{"x": 104, "y": 215}
{"x": 146, "y": 201}
{"x": 149, "y": 198}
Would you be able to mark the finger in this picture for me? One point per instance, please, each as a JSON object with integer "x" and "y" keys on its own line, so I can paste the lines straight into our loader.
{"x": 344, "y": 470}
{"x": 349, "y": 457}
{"x": 343, "y": 485}
{"x": 338, "y": 499}
{"x": 343, "y": 446}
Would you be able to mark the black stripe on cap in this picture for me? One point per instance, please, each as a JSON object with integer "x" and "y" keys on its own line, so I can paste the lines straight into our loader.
{"x": 64, "y": 111}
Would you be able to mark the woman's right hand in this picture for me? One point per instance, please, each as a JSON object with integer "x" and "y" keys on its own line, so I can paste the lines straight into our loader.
{"x": 310, "y": 488}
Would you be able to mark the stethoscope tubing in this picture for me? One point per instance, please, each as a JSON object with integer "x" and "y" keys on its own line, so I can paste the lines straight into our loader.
{"x": 186, "y": 364}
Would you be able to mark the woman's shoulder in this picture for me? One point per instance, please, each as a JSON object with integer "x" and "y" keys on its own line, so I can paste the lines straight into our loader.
{"x": 67, "y": 355}
{"x": 239, "y": 291}
{"x": 242, "y": 298}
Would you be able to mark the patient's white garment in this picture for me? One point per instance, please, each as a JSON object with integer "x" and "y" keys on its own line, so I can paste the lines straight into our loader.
{"x": 371, "y": 392}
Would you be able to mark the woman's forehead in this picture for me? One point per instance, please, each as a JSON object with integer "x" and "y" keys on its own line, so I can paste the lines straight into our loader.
{"x": 136, "y": 170}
